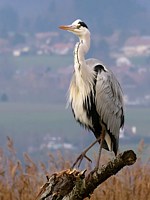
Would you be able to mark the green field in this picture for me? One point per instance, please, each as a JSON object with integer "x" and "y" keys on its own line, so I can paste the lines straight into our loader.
{"x": 28, "y": 123}
{"x": 139, "y": 117}
{"x": 20, "y": 118}
{"x": 29, "y": 61}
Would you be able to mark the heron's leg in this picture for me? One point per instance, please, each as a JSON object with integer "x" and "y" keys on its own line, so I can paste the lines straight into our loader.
{"x": 102, "y": 137}
{"x": 83, "y": 154}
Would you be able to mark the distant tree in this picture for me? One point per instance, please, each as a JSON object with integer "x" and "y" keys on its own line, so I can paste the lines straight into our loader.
{"x": 7, "y": 68}
{"x": 4, "y": 97}
{"x": 100, "y": 49}
{"x": 9, "y": 20}
{"x": 26, "y": 25}
{"x": 18, "y": 39}
{"x": 106, "y": 17}
{"x": 42, "y": 24}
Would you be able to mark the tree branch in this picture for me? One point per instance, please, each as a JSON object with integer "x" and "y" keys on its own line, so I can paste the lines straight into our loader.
{"x": 74, "y": 185}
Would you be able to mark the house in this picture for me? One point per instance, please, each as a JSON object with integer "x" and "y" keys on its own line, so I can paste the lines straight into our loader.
{"x": 137, "y": 46}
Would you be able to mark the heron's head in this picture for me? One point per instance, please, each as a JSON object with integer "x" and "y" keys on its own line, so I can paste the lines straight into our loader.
{"x": 78, "y": 27}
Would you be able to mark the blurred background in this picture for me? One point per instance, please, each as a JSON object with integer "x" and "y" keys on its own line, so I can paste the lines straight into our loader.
{"x": 36, "y": 64}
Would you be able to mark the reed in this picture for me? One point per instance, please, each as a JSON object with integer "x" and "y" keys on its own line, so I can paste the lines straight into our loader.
{"x": 22, "y": 181}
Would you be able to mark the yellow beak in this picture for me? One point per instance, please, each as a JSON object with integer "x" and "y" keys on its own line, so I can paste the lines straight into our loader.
{"x": 67, "y": 27}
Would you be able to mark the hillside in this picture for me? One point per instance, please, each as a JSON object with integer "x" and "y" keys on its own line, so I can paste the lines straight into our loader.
{"x": 102, "y": 16}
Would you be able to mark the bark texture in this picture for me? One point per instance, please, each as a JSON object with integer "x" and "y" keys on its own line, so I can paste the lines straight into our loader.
{"x": 75, "y": 185}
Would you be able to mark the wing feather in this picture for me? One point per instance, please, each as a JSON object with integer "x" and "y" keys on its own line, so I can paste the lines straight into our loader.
{"x": 109, "y": 102}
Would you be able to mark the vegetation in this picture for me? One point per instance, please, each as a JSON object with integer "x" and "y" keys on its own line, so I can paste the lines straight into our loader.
{"x": 22, "y": 181}
{"x": 42, "y": 117}
{"x": 30, "y": 123}
{"x": 116, "y": 15}
{"x": 52, "y": 61}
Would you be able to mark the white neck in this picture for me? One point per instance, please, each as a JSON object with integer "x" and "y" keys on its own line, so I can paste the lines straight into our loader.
{"x": 82, "y": 84}
{"x": 81, "y": 48}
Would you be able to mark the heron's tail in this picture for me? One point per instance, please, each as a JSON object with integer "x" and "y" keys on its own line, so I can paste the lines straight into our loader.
{"x": 110, "y": 143}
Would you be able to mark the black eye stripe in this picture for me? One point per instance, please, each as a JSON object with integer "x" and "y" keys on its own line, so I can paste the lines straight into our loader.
{"x": 83, "y": 24}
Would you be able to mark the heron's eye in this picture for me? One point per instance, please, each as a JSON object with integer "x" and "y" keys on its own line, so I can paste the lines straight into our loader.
{"x": 78, "y": 26}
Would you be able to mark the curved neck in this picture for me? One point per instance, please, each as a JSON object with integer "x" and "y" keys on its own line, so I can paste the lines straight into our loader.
{"x": 81, "y": 48}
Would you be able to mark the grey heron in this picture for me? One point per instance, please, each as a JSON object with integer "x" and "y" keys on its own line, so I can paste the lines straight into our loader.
{"x": 95, "y": 95}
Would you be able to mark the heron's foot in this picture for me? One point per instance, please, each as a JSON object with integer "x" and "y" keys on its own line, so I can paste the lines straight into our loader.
{"x": 83, "y": 154}
{"x": 80, "y": 158}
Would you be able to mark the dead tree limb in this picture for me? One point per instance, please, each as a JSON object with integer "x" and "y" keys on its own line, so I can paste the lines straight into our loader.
{"x": 74, "y": 185}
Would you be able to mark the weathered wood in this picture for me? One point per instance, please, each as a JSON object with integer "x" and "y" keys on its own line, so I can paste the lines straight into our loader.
{"x": 74, "y": 185}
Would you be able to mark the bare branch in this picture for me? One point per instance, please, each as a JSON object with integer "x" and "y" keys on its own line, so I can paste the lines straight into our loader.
{"x": 74, "y": 185}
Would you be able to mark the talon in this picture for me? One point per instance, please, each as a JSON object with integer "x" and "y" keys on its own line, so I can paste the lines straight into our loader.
{"x": 80, "y": 158}
{"x": 83, "y": 154}
{"x": 88, "y": 158}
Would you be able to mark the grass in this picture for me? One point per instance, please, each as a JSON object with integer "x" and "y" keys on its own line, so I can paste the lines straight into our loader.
{"x": 43, "y": 117}
{"x": 29, "y": 61}
{"x": 21, "y": 119}
{"x": 28, "y": 123}
{"x": 139, "y": 117}
{"x": 22, "y": 180}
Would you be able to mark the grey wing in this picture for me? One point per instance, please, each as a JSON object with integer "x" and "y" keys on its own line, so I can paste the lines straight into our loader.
{"x": 109, "y": 104}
